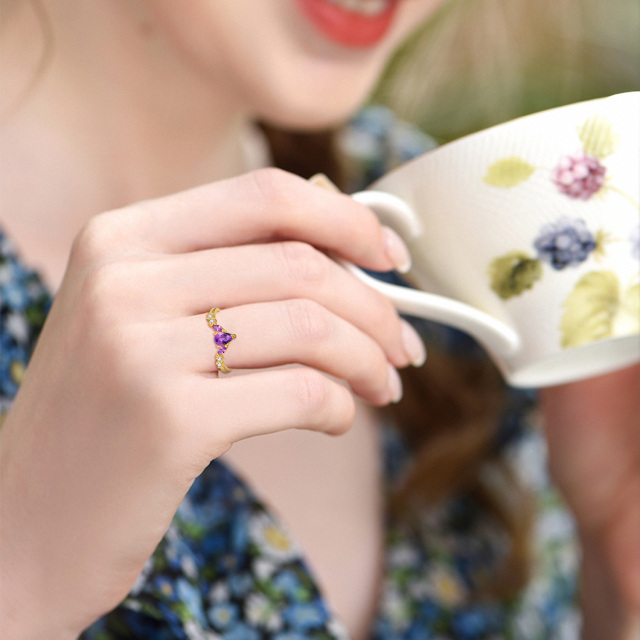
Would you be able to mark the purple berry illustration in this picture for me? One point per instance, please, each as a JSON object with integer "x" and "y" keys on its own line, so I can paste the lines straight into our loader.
{"x": 579, "y": 175}
{"x": 565, "y": 243}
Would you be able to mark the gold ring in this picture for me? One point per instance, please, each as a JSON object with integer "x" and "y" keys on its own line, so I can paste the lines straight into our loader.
{"x": 221, "y": 339}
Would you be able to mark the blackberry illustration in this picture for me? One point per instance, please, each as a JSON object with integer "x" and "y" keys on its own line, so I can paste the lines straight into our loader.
{"x": 579, "y": 175}
{"x": 565, "y": 243}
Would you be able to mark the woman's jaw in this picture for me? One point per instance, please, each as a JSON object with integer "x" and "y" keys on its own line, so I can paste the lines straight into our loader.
{"x": 184, "y": 71}
{"x": 337, "y": 50}
{"x": 303, "y": 64}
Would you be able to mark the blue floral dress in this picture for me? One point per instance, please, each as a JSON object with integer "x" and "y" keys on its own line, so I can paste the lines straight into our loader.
{"x": 228, "y": 569}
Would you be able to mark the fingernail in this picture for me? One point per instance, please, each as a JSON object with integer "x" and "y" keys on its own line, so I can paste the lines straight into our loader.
{"x": 396, "y": 250}
{"x": 395, "y": 384}
{"x": 321, "y": 180}
{"x": 413, "y": 344}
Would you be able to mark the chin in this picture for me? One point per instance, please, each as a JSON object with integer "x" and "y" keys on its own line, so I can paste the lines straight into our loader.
{"x": 308, "y": 115}
{"x": 311, "y": 102}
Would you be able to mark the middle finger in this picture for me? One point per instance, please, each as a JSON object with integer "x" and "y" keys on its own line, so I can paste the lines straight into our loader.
{"x": 233, "y": 276}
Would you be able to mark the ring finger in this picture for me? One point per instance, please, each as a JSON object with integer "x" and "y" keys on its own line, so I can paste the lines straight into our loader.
{"x": 295, "y": 331}
{"x": 270, "y": 272}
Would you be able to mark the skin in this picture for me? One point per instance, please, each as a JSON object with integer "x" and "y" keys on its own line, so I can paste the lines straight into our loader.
{"x": 114, "y": 418}
{"x": 593, "y": 432}
{"x": 131, "y": 467}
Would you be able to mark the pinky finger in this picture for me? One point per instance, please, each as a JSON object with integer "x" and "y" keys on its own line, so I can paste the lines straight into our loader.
{"x": 239, "y": 407}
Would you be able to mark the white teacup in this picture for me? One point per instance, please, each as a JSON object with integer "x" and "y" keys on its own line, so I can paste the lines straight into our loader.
{"x": 526, "y": 236}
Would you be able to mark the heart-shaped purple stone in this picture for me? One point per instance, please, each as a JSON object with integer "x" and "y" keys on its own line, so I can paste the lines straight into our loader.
{"x": 222, "y": 338}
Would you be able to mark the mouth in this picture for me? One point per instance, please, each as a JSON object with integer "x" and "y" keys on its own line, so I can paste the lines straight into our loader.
{"x": 354, "y": 23}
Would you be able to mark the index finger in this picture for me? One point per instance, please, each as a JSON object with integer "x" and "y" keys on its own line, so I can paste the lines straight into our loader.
{"x": 262, "y": 206}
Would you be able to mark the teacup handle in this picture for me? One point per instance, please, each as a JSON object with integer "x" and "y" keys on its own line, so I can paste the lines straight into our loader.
{"x": 394, "y": 212}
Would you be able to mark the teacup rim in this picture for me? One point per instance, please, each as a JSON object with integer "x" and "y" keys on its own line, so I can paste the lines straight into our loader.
{"x": 447, "y": 146}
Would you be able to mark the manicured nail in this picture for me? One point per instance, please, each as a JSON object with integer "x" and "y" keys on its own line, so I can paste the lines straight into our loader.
{"x": 395, "y": 384}
{"x": 396, "y": 250}
{"x": 413, "y": 344}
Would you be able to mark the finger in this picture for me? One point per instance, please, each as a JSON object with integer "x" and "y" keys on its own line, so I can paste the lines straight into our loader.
{"x": 230, "y": 277}
{"x": 261, "y": 206}
{"x": 294, "y": 331}
{"x": 236, "y": 407}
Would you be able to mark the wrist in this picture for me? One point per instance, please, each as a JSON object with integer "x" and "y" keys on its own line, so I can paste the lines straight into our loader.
{"x": 29, "y": 606}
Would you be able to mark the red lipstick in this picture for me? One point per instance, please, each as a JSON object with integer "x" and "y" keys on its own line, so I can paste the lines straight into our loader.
{"x": 350, "y": 28}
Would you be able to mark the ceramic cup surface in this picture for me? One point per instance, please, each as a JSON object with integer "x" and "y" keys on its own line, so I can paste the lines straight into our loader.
{"x": 526, "y": 235}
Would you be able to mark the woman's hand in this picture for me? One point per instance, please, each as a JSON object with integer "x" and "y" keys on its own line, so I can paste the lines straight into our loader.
{"x": 593, "y": 430}
{"x": 121, "y": 407}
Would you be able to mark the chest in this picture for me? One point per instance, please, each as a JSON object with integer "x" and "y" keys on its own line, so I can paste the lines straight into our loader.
{"x": 328, "y": 491}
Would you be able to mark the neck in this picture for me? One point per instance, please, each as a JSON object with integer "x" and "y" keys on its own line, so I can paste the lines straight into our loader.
{"x": 95, "y": 128}
{"x": 107, "y": 107}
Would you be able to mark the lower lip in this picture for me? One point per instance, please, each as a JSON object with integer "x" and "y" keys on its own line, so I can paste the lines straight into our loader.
{"x": 348, "y": 27}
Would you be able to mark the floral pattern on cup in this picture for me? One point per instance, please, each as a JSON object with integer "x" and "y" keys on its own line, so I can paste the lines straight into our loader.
{"x": 579, "y": 175}
{"x": 599, "y": 306}
{"x": 565, "y": 243}
{"x": 514, "y": 273}
{"x": 560, "y": 244}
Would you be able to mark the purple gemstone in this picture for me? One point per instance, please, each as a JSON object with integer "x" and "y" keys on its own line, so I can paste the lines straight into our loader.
{"x": 222, "y": 338}
{"x": 221, "y": 350}
{"x": 216, "y": 327}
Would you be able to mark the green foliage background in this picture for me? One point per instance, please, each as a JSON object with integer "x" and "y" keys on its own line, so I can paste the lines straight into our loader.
{"x": 481, "y": 62}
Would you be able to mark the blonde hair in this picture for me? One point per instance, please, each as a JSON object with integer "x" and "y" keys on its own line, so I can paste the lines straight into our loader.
{"x": 481, "y": 62}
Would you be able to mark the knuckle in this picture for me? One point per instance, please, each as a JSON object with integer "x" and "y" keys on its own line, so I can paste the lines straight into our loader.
{"x": 91, "y": 244}
{"x": 345, "y": 416}
{"x": 307, "y": 321}
{"x": 311, "y": 390}
{"x": 303, "y": 262}
{"x": 96, "y": 290}
{"x": 102, "y": 236}
{"x": 105, "y": 287}
{"x": 378, "y": 371}
{"x": 107, "y": 277}
{"x": 323, "y": 404}
{"x": 273, "y": 186}
{"x": 387, "y": 318}
{"x": 369, "y": 372}
{"x": 374, "y": 227}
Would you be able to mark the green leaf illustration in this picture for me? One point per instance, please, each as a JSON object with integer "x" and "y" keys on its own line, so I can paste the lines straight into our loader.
{"x": 508, "y": 172}
{"x": 590, "y": 309}
{"x": 628, "y": 319}
{"x": 513, "y": 273}
{"x": 598, "y": 137}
